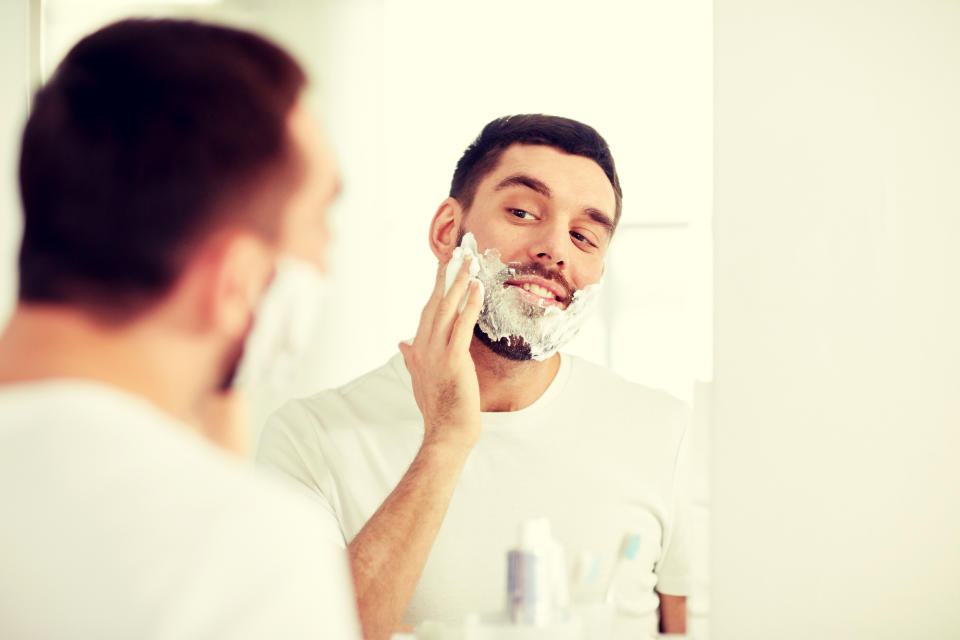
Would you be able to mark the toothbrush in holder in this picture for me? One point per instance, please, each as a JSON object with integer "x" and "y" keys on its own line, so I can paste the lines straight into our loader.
{"x": 629, "y": 547}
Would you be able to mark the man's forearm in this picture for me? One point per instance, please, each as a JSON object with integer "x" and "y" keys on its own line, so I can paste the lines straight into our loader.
{"x": 387, "y": 556}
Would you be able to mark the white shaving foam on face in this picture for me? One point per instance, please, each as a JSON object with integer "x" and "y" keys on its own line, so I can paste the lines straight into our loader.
{"x": 456, "y": 263}
{"x": 505, "y": 314}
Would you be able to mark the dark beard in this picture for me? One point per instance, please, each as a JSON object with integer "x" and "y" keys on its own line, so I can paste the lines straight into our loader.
{"x": 232, "y": 360}
{"x": 512, "y": 348}
{"x": 231, "y": 367}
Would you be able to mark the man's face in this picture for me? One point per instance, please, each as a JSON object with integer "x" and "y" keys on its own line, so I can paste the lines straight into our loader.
{"x": 550, "y": 214}
{"x": 304, "y": 231}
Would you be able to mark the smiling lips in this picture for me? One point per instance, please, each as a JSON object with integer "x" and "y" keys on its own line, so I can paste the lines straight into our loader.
{"x": 540, "y": 291}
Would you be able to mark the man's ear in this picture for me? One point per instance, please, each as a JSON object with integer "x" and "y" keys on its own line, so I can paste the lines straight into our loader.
{"x": 444, "y": 227}
{"x": 242, "y": 269}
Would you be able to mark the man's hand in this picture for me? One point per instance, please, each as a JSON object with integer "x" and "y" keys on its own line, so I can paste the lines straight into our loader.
{"x": 387, "y": 556}
{"x": 443, "y": 374}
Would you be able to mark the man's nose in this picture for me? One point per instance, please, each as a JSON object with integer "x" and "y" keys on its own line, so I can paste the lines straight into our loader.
{"x": 551, "y": 246}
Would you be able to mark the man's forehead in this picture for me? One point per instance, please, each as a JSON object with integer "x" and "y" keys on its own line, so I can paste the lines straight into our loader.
{"x": 564, "y": 173}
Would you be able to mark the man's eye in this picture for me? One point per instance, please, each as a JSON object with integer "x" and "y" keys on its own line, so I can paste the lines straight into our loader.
{"x": 581, "y": 238}
{"x": 520, "y": 213}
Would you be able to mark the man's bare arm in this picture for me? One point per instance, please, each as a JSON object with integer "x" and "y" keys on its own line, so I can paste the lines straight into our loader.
{"x": 673, "y": 613}
{"x": 387, "y": 556}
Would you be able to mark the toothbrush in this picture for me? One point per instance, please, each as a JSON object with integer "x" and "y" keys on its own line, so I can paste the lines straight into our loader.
{"x": 586, "y": 571}
{"x": 629, "y": 547}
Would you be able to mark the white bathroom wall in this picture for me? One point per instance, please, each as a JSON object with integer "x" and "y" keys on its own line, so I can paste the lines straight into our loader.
{"x": 837, "y": 413}
{"x": 14, "y": 69}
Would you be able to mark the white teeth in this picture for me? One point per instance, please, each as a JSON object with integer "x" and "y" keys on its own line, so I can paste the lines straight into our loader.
{"x": 540, "y": 291}
{"x": 537, "y": 290}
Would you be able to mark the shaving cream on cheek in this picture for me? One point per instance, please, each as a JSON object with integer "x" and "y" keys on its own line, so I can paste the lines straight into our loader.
{"x": 544, "y": 328}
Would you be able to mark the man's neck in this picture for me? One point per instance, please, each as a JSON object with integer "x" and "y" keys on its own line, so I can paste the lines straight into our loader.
{"x": 43, "y": 342}
{"x": 510, "y": 385}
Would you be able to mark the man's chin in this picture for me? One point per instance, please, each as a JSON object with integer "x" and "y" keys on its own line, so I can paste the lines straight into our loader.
{"x": 511, "y": 348}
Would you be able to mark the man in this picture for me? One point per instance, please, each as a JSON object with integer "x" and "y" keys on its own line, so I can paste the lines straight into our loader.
{"x": 166, "y": 169}
{"x": 430, "y": 462}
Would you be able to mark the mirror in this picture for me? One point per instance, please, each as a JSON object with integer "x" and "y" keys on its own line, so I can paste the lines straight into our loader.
{"x": 403, "y": 86}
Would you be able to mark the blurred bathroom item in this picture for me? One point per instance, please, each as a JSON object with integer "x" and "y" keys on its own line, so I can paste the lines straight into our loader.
{"x": 537, "y": 589}
{"x": 627, "y": 552}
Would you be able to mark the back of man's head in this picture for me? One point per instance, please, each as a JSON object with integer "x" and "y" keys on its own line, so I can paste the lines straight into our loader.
{"x": 150, "y": 135}
{"x": 564, "y": 134}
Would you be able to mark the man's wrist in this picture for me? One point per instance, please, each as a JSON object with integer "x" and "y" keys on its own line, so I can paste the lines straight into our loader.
{"x": 446, "y": 447}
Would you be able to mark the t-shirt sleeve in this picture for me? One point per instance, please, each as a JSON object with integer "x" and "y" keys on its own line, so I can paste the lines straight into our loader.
{"x": 673, "y": 568}
{"x": 288, "y": 446}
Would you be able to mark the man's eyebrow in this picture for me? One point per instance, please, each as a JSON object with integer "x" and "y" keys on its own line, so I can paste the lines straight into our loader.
{"x": 524, "y": 181}
{"x": 601, "y": 218}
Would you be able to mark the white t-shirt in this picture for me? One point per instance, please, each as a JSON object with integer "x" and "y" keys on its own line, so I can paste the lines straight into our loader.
{"x": 595, "y": 454}
{"x": 117, "y": 521}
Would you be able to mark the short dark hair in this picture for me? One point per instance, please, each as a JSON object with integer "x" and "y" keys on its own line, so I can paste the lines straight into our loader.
{"x": 149, "y": 135}
{"x": 567, "y": 135}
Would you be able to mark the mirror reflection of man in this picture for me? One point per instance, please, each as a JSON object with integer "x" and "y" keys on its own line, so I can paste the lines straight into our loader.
{"x": 168, "y": 170}
{"x": 431, "y": 461}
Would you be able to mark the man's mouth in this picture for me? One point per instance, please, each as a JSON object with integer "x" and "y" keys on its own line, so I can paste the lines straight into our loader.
{"x": 540, "y": 292}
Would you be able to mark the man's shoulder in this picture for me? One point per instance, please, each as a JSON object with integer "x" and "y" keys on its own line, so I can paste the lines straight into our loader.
{"x": 605, "y": 383}
{"x": 190, "y": 508}
{"x": 139, "y": 450}
{"x": 632, "y": 415}
{"x": 278, "y": 516}
{"x": 256, "y": 537}
{"x": 386, "y": 388}
{"x": 390, "y": 377}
